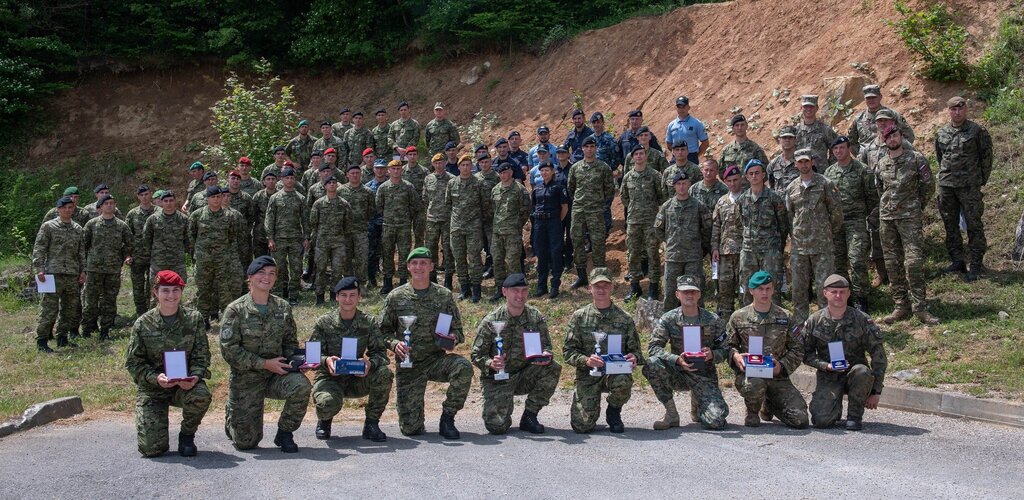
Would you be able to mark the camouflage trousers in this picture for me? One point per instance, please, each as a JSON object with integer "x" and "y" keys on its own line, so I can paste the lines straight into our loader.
{"x": 808, "y": 270}
{"x": 851, "y": 249}
{"x": 674, "y": 270}
{"x": 827, "y": 399}
{"x": 392, "y": 239}
{"x": 419, "y": 230}
{"x": 217, "y": 279}
{"x": 904, "y": 260}
{"x": 583, "y": 224}
{"x": 753, "y": 261}
{"x": 586, "y": 399}
{"x": 65, "y": 303}
{"x": 536, "y": 382}
{"x": 728, "y": 283}
{"x": 782, "y": 398}
{"x": 874, "y": 235}
{"x": 968, "y": 201}
{"x": 438, "y": 241}
{"x": 329, "y": 255}
{"x": 289, "y": 266}
{"x": 245, "y": 250}
{"x": 507, "y": 251}
{"x": 357, "y": 251}
{"x": 411, "y": 384}
{"x": 466, "y": 246}
{"x": 259, "y": 247}
{"x": 151, "y": 415}
{"x": 711, "y": 407}
{"x": 642, "y": 241}
{"x": 243, "y": 413}
{"x": 141, "y": 286}
{"x": 329, "y": 393}
{"x": 100, "y": 300}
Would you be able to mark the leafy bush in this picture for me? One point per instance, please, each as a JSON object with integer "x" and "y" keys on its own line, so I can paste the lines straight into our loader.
{"x": 1000, "y": 66}
{"x": 937, "y": 40}
{"x": 23, "y": 200}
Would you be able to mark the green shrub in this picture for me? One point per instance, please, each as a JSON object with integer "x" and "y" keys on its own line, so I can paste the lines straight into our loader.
{"x": 935, "y": 37}
{"x": 23, "y": 201}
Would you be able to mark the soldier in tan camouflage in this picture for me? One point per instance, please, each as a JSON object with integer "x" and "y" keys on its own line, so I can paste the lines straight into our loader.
{"x": 859, "y": 197}
{"x": 641, "y": 194}
{"x": 59, "y": 251}
{"x": 782, "y": 169}
{"x": 814, "y": 134}
{"x": 511, "y": 210}
{"x": 742, "y": 149}
{"x": 864, "y": 125}
{"x": 727, "y": 242}
{"x": 440, "y": 131}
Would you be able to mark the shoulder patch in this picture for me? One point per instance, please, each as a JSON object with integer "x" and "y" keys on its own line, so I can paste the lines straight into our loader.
{"x": 782, "y": 321}
{"x": 925, "y": 171}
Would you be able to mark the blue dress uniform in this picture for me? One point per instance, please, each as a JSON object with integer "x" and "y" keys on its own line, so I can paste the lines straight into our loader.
{"x": 562, "y": 178}
{"x": 548, "y": 232}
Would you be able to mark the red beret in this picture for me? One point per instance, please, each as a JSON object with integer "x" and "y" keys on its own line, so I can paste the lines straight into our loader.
{"x": 168, "y": 278}
{"x": 288, "y": 163}
{"x": 367, "y": 151}
{"x": 245, "y": 159}
{"x": 410, "y": 149}
{"x": 330, "y": 151}
{"x": 234, "y": 173}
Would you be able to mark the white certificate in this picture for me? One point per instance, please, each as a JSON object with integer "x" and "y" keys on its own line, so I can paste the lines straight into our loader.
{"x": 836, "y": 351}
{"x": 444, "y": 323}
{"x": 755, "y": 345}
{"x": 349, "y": 348}
{"x": 312, "y": 353}
{"x": 614, "y": 344}
{"x": 531, "y": 344}
{"x": 48, "y": 286}
{"x": 691, "y": 338}
{"x": 175, "y": 365}
{"x": 714, "y": 270}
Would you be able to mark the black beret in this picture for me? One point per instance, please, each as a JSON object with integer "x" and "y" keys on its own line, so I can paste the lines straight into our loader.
{"x": 514, "y": 280}
{"x": 357, "y": 113}
{"x": 101, "y": 187}
{"x": 259, "y": 263}
{"x": 736, "y": 119}
{"x": 642, "y": 130}
{"x": 330, "y": 179}
{"x": 500, "y": 141}
{"x": 324, "y": 166}
{"x": 589, "y": 140}
{"x": 543, "y": 129}
{"x": 287, "y": 172}
{"x": 840, "y": 140}
{"x": 381, "y": 110}
{"x": 142, "y": 189}
{"x": 316, "y": 152}
{"x": 636, "y": 113}
{"x": 354, "y": 167}
{"x": 325, "y": 122}
{"x": 403, "y": 104}
{"x": 503, "y": 166}
{"x": 212, "y": 190}
{"x": 64, "y": 200}
{"x": 450, "y": 145}
{"x": 635, "y": 149}
{"x": 347, "y": 283}
{"x": 344, "y": 110}
{"x": 210, "y": 175}
{"x": 479, "y": 147}
{"x": 513, "y": 133}
{"x": 578, "y": 112}
{"x": 563, "y": 149}
{"x": 596, "y": 117}
{"x": 545, "y": 164}
{"x": 103, "y": 199}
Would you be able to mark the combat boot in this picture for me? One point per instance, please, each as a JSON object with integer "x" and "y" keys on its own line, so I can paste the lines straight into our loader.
{"x": 540, "y": 291}
{"x": 613, "y": 416}
{"x": 386, "y": 286}
{"x": 671, "y": 418}
{"x": 43, "y": 346}
{"x": 957, "y": 266}
{"x": 752, "y": 420}
{"x": 62, "y": 341}
{"x": 467, "y": 292}
{"x": 555, "y": 285}
{"x": 371, "y": 431}
{"x": 634, "y": 291}
{"x": 323, "y": 429}
{"x": 448, "y": 280}
{"x": 86, "y": 332}
{"x": 901, "y": 313}
{"x": 104, "y": 334}
{"x": 497, "y": 294}
{"x": 853, "y": 424}
{"x": 476, "y": 294}
{"x": 581, "y": 278}
{"x": 187, "y": 445}
{"x": 881, "y": 276}
{"x": 655, "y": 292}
{"x": 320, "y": 299}
{"x": 972, "y": 275}
{"x": 528, "y": 422}
{"x": 766, "y": 413}
{"x": 446, "y": 427}
{"x": 926, "y": 317}
{"x": 286, "y": 442}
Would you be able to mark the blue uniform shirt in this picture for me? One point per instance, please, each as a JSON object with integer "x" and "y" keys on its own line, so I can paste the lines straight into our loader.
{"x": 574, "y": 143}
{"x": 690, "y": 130}
{"x": 548, "y": 198}
{"x": 378, "y": 217}
{"x": 607, "y": 150}
{"x": 533, "y": 155}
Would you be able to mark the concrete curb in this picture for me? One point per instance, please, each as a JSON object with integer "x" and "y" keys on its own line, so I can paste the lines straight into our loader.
{"x": 42, "y": 414}
{"x": 936, "y": 403}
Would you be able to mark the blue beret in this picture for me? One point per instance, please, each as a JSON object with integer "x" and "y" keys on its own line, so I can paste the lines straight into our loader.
{"x": 759, "y": 278}
{"x": 754, "y": 162}
{"x": 450, "y": 145}
{"x": 259, "y": 263}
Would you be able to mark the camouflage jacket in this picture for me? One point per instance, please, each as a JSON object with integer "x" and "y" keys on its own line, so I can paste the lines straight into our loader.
{"x": 781, "y": 172}
{"x": 591, "y": 185}
{"x": 249, "y": 337}
{"x": 165, "y": 240}
{"x": 335, "y": 141}
{"x": 818, "y": 137}
{"x": 415, "y": 174}
{"x": 684, "y": 226}
{"x": 727, "y": 226}
{"x": 339, "y": 129}
{"x": 91, "y": 212}
{"x": 79, "y": 215}
{"x": 708, "y": 196}
{"x": 779, "y": 340}
{"x": 484, "y": 349}
{"x": 196, "y": 201}
{"x": 579, "y": 335}
{"x": 216, "y": 235}
{"x": 668, "y": 331}
{"x": 59, "y": 248}
{"x": 403, "y": 133}
{"x": 856, "y": 189}
{"x": 438, "y": 133}
{"x": 765, "y": 221}
{"x": 286, "y": 216}
{"x": 511, "y": 208}
{"x": 964, "y": 154}
{"x": 739, "y": 153}
{"x": 641, "y": 194}
{"x": 107, "y": 244}
{"x": 468, "y": 204}
{"x": 251, "y": 186}
{"x": 873, "y": 152}
{"x": 489, "y": 179}
{"x": 434, "y": 188}
{"x": 300, "y": 149}
{"x": 398, "y": 202}
{"x": 260, "y": 203}
{"x": 356, "y": 140}
{"x": 136, "y": 220}
{"x": 363, "y": 206}
{"x": 860, "y": 336}
{"x": 815, "y": 215}
{"x": 404, "y": 301}
{"x": 329, "y": 220}
{"x": 655, "y": 159}
{"x": 905, "y": 186}
{"x": 330, "y": 329}
{"x": 242, "y": 203}
{"x": 151, "y": 336}
{"x": 380, "y": 135}
{"x": 194, "y": 186}
{"x": 863, "y": 129}
{"x": 691, "y": 170}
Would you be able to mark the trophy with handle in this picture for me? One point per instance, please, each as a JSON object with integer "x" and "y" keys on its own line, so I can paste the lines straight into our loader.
{"x": 598, "y": 337}
{"x": 498, "y": 326}
{"x": 407, "y": 322}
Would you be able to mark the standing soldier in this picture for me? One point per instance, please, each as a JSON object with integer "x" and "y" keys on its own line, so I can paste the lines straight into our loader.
{"x": 438, "y": 239}
{"x": 403, "y": 132}
{"x": 468, "y": 205}
{"x": 628, "y": 138}
{"x": 331, "y": 389}
{"x": 669, "y": 370}
{"x": 361, "y": 201}
{"x": 168, "y": 327}
{"x": 590, "y": 187}
{"x": 312, "y": 174}
{"x": 776, "y": 395}
{"x": 136, "y": 220}
{"x": 815, "y": 218}
{"x": 108, "y": 246}
{"x": 79, "y": 215}
{"x": 515, "y": 140}
{"x": 710, "y": 188}
{"x": 328, "y": 227}
{"x": 425, "y": 301}
{"x": 601, "y": 315}
{"x": 215, "y": 231}
{"x": 366, "y": 167}
{"x": 280, "y": 158}
{"x": 865, "y": 124}
{"x": 165, "y": 240}
{"x": 655, "y": 159}
{"x": 511, "y": 205}
{"x": 782, "y": 169}
{"x": 286, "y": 226}
{"x": 59, "y": 251}
{"x": 198, "y": 200}
{"x": 871, "y": 153}
{"x": 574, "y": 141}
{"x": 380, "y": 134}
{"x": 415, "y": 173}
{"x": 257, "y": 338}
{"x": 742, "y": 149}
{"x": 550, "y": 209}
{"x": 330, "y": 140}
{"x": 344, "y": 124}
{"x": 488, "y": 178}
{"x": 93, "y": 209}
{"x": 641, "y": 195}
{"x": 535, "y": 379}
{"x": 905, "y": 186}
{"x": 249, "y": 185}
{"x": 241, "y": 202}
{"x": 195, "y": 171}
{"x": 376, "y": 226}
{"x": 727, "y": 242}
{"x": 814, "y": 134}
{"x": 857, "y": 191}
{"x": 607, "y": 147}
{"x": 440, "y": 131}
{"x": 316, "y": 190}
{"x": 300, "y": 148}
{"x": 261, "y": 202}
{"x": 765, "y": 227}
{"x": 964, "y": 151}
{"x": 398, "y": 200}
{"x": 680, "y": 163}
{"x": 682, "y": 224}
{"x": 357, "y": 140}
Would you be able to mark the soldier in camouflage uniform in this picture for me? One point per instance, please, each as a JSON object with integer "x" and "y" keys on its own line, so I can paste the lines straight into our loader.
{"x": 286, "y": 227}
{"x": 710, "y": 188}
{"x": 415, "y": 173}
{"x": 366, "y": 167}
{"x": 376, "y": 224}
{"x": 683, "y": 224}
{"x": 862, "y": 381}
{"x": 380, "y": 135}
{"x": 511, "y": 208}
{"x": 356, "y": 242}
{"x": 168, "y": 327}
{"x": 330, "y": 140}
{"x": 859, "y": 198}
{"x": 108, "y": 246}
{"x": 489, "y": 178}
{"x": 136, "y": 220}
{"x": 257, "y": 338}
{"x": 330, "y": 389}
{"x": 248, "y": 184}
{"x": 679, "y": 163}
{"x": 964, "y": 152}
{"x": 280, "y": 158}
{"x": 312, "y": 174}
{"x": 590, "y": 186}
{"x": 655, "y": 159}
{"x": 440, "y": 131}
{"x": 742, "y": 149}
{"x": 315, "y": 191}
{"x": 468, "y": 204}
{"x": 905, "y": 186}
{"x": 870, "y": 154}
{"x": 92, "y": 210}
{"x": 300, "y": 148}
{"x": 765, "y": 227}
{"x": 59, "y": 250}
{"x": 165, "y": 240}
{"x": 814, "y": 134}
{"x": 403, "y": 132}
{"x": 815, "y": 218}
{"x": 398, "y": 200}
{"x": 241, "y": 202}
{"x": 79, "y": 215}
{"x": 641, "y": 195}
{"x": 668, "y": 370}
{"x": 196, "y": 171}
{"x": 430, "y": 362}
{"x": 198, "y": 200}
{"x": 864, "y": 125}
{"x": 343, "y": 125}
{"x": 438, "y": 239}
{"x": 534, "y": 378}
{"x": 776, "y": 396}
{"x": 782, "y": 169}
{"x": 260, "y": 203}
{"x": 601, "y": 315}
{"x": 727, "y": 242}
{"x": 357, "y": 140}
{"x": 215, "y": 231}
{"x": 328, "y": 227}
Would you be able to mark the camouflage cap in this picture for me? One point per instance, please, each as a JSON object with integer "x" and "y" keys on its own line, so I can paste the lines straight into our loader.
{"x": 439, "y": 105}
{"x": 884, "y": 114}
{"x": 803, "y": 154}
{"x": 836, "y": 281}
{"x": 600, "y": 274}
{"x": 809, "y": 100}
{"x": 759, "y": 278}
{"x": 872, "y": 90}
{"x": 419, "y": 253}
{"x": 687, "y": 282}
{"x": 787, "y": 131}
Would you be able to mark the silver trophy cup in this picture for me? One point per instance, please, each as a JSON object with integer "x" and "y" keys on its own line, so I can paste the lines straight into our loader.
{"x": 598, "y": 337}
{"x": 498, "y": 326}
{"x": 407, "y": 322}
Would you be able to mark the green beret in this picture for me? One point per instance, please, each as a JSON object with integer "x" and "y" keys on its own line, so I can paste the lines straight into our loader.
{"x": 419, "y": 253}
{"x": 303, "y": 122}
{"x": 158, "y": 194}
{"x": 197, "y": 166}
{"x": 70, "y": 191}
{"x": 759, "y": 278}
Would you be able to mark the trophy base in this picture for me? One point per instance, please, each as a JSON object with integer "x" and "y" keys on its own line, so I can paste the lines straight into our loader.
{"x": 501, "y": 376}
{"x": 405, "y": 364}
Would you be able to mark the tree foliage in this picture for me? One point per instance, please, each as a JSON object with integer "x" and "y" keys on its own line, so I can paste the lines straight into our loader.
{"x": 937, "y": 39}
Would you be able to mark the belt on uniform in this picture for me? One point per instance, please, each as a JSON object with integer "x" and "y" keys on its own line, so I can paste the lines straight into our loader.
{"x": 543, "y": 216}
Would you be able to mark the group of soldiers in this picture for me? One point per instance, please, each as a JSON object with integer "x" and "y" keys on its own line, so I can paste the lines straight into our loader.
{"x": 421, "y": 324}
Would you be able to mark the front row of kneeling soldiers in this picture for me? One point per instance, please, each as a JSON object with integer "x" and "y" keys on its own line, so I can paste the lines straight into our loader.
{"x": 258, "y": 337}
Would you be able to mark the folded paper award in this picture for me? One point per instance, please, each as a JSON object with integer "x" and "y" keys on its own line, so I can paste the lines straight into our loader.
{"x": 615, "y": 363}
{"x": 442, "y": 338}
{"x": 759, "y": 365}
{"x": 348, "y": 363}
{"x": 838, "y": 356}
{"x": 692, "y": 352}
{"x": 175, "y": 365}
{"x": 533, "y": 349}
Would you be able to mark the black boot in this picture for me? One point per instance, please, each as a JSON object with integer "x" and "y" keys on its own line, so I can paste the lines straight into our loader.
{"x": 286, "y": 442}
{"x": 43, "y": 345}
{"x": 187, "y": 445}
{"x": 323, "y": 429}
{"x": 540, "y": 291}
{"x": 555, "y": 285}
{"x": 386, "y": 287}
{"x": 320, "y": 299}
{"x": 371, "y": 431}
{"x": 530, "y": 424}
{"x": 613, "y": 415}
{"x": 957, "y": 266}
{"x": 476, "y": 294}
{"x": 635, "y": 291}
{"x": 104, "y": 334}
{"x": 853, "y": 424}
{"x": 448, "y": 280}
{"x": 975, "y": 270}
{"x": 655, "y": 292}
{"x": 581, "y": 278}
{"x": 446, "y": 427}
{"x": 497, "y": 294}
{"x": 467, "y": 292}
{"x": 62, "y": 341}
{"x": 86, "y": 332}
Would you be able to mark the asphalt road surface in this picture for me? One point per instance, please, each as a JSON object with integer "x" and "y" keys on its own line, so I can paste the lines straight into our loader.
{"x": 897, "y": 455}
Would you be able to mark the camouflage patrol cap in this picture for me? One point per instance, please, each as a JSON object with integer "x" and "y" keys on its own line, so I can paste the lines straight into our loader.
{"x": 836, "y": 281}
{"x": 687, "y": 282}
{"x": 787, "y": 131}
{"x": 809, "y": 100}
{"x": 803, "y": 154}
{"x": 872, "y": 90}
{"x": 419, "y": 253}
{"x": 759, "y": 278}
{"x": 884, "y": 114}
{"x": 600, "y": 274}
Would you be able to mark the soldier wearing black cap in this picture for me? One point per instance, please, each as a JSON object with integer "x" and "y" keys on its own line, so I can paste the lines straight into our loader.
{"x": 165, "y": 239}
{"x": 198, "y": 200}
{"x": 515, "y": 141}
{"x": 328, "y": 229}
{"x": 742, "y": 149}
{"x": 503, "y": 150}
{"x": 607, "y": 148}
{"x": 380, "y": 134}
{"x": 260, "y": 202}
{"x": 59, "y": 250}
{"x": 510, "y": 205}
{"x": 108, "y": 246}
{"x": 404, "y": 131}
{"x": 574, "y": 141}
{"x": 550, "y": 210}
{"x": 216, "y": 233}
{"x": 488, "y": 179}
{"x": 92, "y": 210}
{"x": 682, "y": 224}
{"x": 136, "y": 220}
{"x": 344, "y": 123}
{"x": 628, "y": 138}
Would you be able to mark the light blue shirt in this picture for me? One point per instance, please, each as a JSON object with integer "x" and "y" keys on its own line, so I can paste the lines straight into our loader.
{"x": 535, "y": 178}
{"x": 690, "y": 130}
{"x": 551, "y": 149}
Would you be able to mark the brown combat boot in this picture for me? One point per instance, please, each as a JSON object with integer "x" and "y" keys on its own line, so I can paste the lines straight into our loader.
{"x": 926, "y": 317}
{"x": 765, "y": 413}
{"x": 901, "y": 313}
{"x": 752, "y": 420}
{"x": 671, "y": 418}
{"x": 881, "y": 276}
